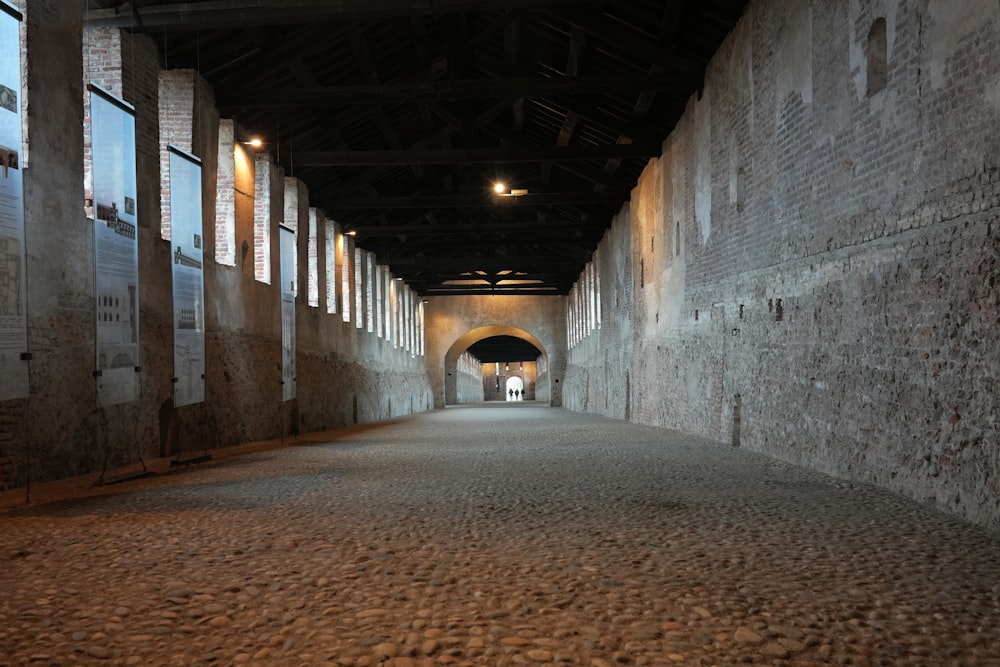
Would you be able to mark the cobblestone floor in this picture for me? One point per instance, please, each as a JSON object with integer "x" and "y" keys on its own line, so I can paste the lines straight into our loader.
{"x": 507, "y": 535}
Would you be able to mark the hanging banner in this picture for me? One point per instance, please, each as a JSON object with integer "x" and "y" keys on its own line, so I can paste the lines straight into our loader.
{"x": 287, "y": 250}
{"x": 13, "y": 290}
{"x": 188, "y": 278}
{"x": 116, "y": 251}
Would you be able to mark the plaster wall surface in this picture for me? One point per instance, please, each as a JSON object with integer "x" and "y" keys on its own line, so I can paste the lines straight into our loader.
{"x": 832, "y": 295}
{"x": 454, "y": 323}
{"x": 61, "y": 320}
{"x": 345, "y": 375}
{"x": 469, "y": 379}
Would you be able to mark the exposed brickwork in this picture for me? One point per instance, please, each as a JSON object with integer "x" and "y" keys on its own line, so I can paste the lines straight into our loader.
{"x": 244, "y": 198}
{"x": 268, "y": 175}
{"x": 316, "y": 221}
{"x": 296, "y": 218}
{"x": 176, "y": 115}
{"x": 344, "y": 376}
{"x": 225, "y": 203}
{"x": 125, "y": 65}
{"x": 841, "y": 311}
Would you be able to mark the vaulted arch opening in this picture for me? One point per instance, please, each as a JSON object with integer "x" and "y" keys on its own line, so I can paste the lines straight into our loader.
{"x": 504, "y": 352}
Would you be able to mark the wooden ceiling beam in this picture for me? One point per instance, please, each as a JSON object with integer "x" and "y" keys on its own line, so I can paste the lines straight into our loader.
{"x": 599, "y": 25}
{"x": 211, "y": 14}
{"x": 418, "y": 156}
{"x": 460, "y": 89}
{"x": 512, "y": 56}
{"x": 577, "y": 40}
{"x": 472, "y": 201}
{"x": 367, "y": 231}
{"x": 362, "y": 55}
{"x": 452, "y": 290}
{"x": 637, "y": 132}
{"x": 454, "y": 266}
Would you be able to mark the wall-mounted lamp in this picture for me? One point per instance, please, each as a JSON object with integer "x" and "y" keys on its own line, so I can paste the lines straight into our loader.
{"x": 351, "y": 233}
{"x": 501, "y": 190}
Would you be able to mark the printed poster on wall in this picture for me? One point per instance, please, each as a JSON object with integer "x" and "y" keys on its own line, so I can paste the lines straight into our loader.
{"x": 287, "y": 249}
{"x": 13, "y": 291}
{"x": 116, "y": 251}
{"x": 188, "y": 278}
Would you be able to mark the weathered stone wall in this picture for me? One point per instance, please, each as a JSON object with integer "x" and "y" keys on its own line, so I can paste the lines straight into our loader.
{"x": 346, "y": 375}
{"x": 57, "y": 235}
{"x": 599, "y": 366}
{"x": 470, "y": 381}
{"x": 815, "y": 258}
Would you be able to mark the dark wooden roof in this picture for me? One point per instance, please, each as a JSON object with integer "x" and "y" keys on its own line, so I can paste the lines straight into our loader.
{"x": 400, "y": 115}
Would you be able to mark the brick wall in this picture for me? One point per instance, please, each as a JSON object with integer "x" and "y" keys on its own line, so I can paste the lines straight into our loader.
{"x": 267, "y": 197}
{"x": 296, "y": 218}
{"x": 225, "y": 187}
{"x": 598, "y": 368}
{"x": 469, "y": 383}
{"x": 316, "y": 222}
{"x": 176, "y": 116}
{"x": 834, "y": 302}
{"x": 344, "y": 376}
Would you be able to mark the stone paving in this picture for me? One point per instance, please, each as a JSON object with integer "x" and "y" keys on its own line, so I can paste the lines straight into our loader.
{"x": 503, "y": 535}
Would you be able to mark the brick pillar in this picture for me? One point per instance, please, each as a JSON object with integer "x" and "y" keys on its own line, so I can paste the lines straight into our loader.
{"x": 176, "y": 111}
{"x": 296, "y": 218}
{"x": 268, "y": 208}
{"x": 126, "y": 65}
{"x": 225, "y": 202}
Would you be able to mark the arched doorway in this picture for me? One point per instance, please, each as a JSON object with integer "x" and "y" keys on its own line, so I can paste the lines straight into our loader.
{"x": 515, "y": 389}
{"x": 497, "y": 372}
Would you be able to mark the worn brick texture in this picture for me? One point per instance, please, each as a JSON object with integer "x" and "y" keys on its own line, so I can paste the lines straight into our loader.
{"x": 269, "y": 188}
{"x": 177, "y": 128}
{"x": 812, "y": 270}
{"x": 599, "y": 364}
{"x": 345, "y": 376}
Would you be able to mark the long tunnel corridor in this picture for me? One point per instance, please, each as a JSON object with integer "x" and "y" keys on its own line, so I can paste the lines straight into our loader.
{"x": 496, "y": 534}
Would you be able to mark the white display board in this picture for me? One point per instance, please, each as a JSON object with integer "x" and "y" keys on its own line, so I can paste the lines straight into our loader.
{"x": 187, "y": 271}
{"x": 13, "y": 289}
{"x": 116, "y": 250}
{"x": 287, "y": 249}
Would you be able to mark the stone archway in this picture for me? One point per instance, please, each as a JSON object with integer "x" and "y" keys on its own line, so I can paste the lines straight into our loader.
{"x": 468, "y": 339}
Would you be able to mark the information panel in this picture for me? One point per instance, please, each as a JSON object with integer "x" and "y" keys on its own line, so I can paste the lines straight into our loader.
{"x": 287, "y": 248}
{"x": 188, "y": 278}
{"x": 13, "y": 291}
{"x": 116, "y": 251}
